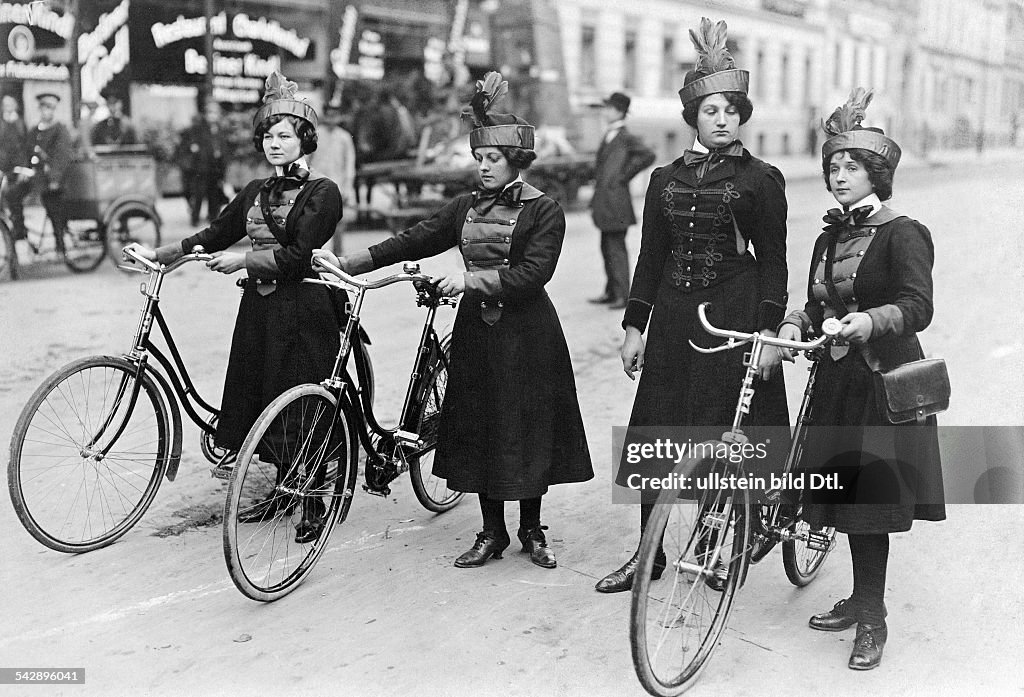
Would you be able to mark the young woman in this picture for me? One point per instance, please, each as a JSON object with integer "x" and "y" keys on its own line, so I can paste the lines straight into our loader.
{"x": 701, "y": 213}
{"x": 511, "y": 422}
{"x": 286, "y": 332}
{"x": 871, "y": 269}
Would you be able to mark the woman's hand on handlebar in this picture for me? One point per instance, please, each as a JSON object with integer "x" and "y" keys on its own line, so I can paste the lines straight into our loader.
{"x": 330, "y": 258}
{"x": 771, "y": 358}
{"x": 451, "y": 284}
{"x": 226, "y": 262}
{"x": 857, "y": 327}
{"x": 632, "y": 352}
{"x": 144, "y": 252}
{"x": 789, "y": 332}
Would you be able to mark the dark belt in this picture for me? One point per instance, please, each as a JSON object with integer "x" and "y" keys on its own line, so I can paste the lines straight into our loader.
{"x": 245, "y": 281}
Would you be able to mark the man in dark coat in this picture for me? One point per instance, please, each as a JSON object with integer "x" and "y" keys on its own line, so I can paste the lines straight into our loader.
{"x": 52, "y": 151}
{"x": 201, "y": 156}
{"x": 115, "y": 129}
{"x": 13, "y": 154}
{"x": 620, "y": 158}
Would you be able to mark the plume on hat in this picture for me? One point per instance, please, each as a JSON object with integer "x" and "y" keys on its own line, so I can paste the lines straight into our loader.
{"x": 849, "y": 116}
{"x": 279, "y": 87}
{"x": 488, "y": 92}
{"x": 710, "y": 42}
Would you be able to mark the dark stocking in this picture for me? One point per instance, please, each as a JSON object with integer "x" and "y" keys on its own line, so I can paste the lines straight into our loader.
{"x": 494, "y": 516}
{"x": 529, "y": 513}
{"x": 870, "y": 556}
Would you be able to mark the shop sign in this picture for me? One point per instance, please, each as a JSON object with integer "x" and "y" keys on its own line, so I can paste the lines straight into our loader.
{"x": 21, "y": 42}
{"x": 369, "y": 63}
{"x": 238, "y": 68}
{"x": 100, "y": 64}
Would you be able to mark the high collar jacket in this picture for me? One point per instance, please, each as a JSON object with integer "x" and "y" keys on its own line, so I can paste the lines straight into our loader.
{"x": 698, "y": 234}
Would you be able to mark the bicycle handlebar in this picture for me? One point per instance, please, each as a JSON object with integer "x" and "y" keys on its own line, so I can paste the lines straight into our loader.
{"x": 830, "y": 330}
{"x": 324, "y": 266}
{"x": 133, "y": 257}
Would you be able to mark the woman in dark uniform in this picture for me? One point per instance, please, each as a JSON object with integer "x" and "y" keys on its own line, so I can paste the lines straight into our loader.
{"x": 701, "y": 214}
{"x": 871, "y": 269}
{"x": 286, "y": 333}
{"x": 511, "y": 422}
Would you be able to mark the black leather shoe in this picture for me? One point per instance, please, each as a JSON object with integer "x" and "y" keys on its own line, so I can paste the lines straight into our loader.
{"x": 487, "y": 545}
{"x": 867, "y": 647}
{"x": 622, "y": 578}
{"x": 842, "y": 616}
{"x": 602, "y": 300}
{"x": 268, "y": 508}
{"x": 536, "y": 545}
{"x": 312, "y": 523}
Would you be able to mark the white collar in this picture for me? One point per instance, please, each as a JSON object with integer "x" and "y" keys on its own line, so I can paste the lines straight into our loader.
{"x": 517, "y": 179}
{"x": 616, "y": 125}
{"x": 699, "y": 146}
{"x": 301, "y": 162}
{"x": 869, "y": 200}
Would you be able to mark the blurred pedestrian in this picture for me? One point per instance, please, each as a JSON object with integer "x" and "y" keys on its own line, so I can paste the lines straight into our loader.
{"x": 115, "y": 129}
{"x": 511, "y": 423}
{"x": 14, "y": 153}
{"x": 201, "y": 155}
{"x": 286, "y": 333}
{"x": 336, "y": 159}
{"x": 51, "y": 150}
{"x": 871, "y": 269}
{"x": 620, "y": 157}
{"x": 700, "y": 216}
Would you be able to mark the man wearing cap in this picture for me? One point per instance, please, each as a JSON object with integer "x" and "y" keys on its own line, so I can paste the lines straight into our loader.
{"x": 13, "y": 155}
{"x": 116, "y": 129}
{"x": 51, "y": 150}
{"x": 620, "y": 157}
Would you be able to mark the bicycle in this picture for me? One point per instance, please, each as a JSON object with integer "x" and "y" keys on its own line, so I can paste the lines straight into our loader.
{"x": 109, "y": 201}
{"x": 96, "y": 439}
{"x": 706, "y": 544}
{"x": 295, "y": 475}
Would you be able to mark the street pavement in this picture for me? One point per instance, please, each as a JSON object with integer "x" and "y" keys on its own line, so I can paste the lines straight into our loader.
{"x": 385, "y": 613}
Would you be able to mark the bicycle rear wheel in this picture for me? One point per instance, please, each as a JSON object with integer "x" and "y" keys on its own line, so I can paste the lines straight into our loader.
{"x": 288, "y": 474}
{"x": 676, "y": 622}
{"x": 83, "y": 246}
{"x": 130, "y": 223}
{"x": 432, "y": 492}
{"x": 88, "y": 453}
{"x": 803, "y": 556}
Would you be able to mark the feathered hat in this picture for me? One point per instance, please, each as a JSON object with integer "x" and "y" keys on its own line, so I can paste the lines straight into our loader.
{"x": 279, "y": 98}
{"x": 715, "y": 70}
{"x": 490, "y": 127}
{"x": 845, "y": 131}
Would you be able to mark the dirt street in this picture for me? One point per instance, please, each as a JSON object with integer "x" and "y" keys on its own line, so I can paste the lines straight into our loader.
{"x": 385, "y": 613}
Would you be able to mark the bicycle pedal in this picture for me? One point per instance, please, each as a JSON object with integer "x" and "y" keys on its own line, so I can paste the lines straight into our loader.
{"x": 222, "y": 471}
{"x": 819, "y": 541}
{"x": 382, "y": 492}
{"x": 406, "y": 438}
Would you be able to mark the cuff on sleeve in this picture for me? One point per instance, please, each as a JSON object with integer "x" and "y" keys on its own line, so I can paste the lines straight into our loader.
{"x": 769, "y": 314}
{"x": 485, "y": 282}
{"x": 886, "y": 320}
{"x": 359, "y": 262}
{"x": 637, "y": 314}
{"x": 169, "y": 253}
{"x": 800, "y": 318}
{"x": 261, "y": 264}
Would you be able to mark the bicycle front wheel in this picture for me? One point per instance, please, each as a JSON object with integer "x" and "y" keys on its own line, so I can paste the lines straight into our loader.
{"x": 288, "y": 490}
{"x": 88, "y": 453}
{"x": 432, "y": 492}
{"x": 676, "y": 621}
{"x": 803, "y": 555}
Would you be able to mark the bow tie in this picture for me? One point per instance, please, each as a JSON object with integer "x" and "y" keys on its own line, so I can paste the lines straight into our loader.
{"x": 293, "y": 177}
{"x": 836, "y": 219}
{"x": 485, "y": 199}
{"x": 703, "y": 160}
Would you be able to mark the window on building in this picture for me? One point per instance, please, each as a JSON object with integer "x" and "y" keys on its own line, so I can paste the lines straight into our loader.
{"x": 784, "y": 77}
{"x": 837, "y": 65}
{"x": 669, "y": 62}
{"x": 759, "y": 90}
{"x": 760, "y": 144}
{"x": 629, "y": 67}
{"x": 808, "y": 71}
{"x": 785, "y": 144}
{"x": 588, "y": 56}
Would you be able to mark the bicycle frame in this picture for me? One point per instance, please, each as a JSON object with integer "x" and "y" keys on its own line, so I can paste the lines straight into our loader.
{"x": 401, "y": 441}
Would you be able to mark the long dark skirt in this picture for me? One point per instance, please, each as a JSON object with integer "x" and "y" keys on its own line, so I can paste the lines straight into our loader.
{"x": 281, "y": 340}
{"x": 890, "y": 475}
{"x": 686, "y": 394}
{"x": 511, "y": 423}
